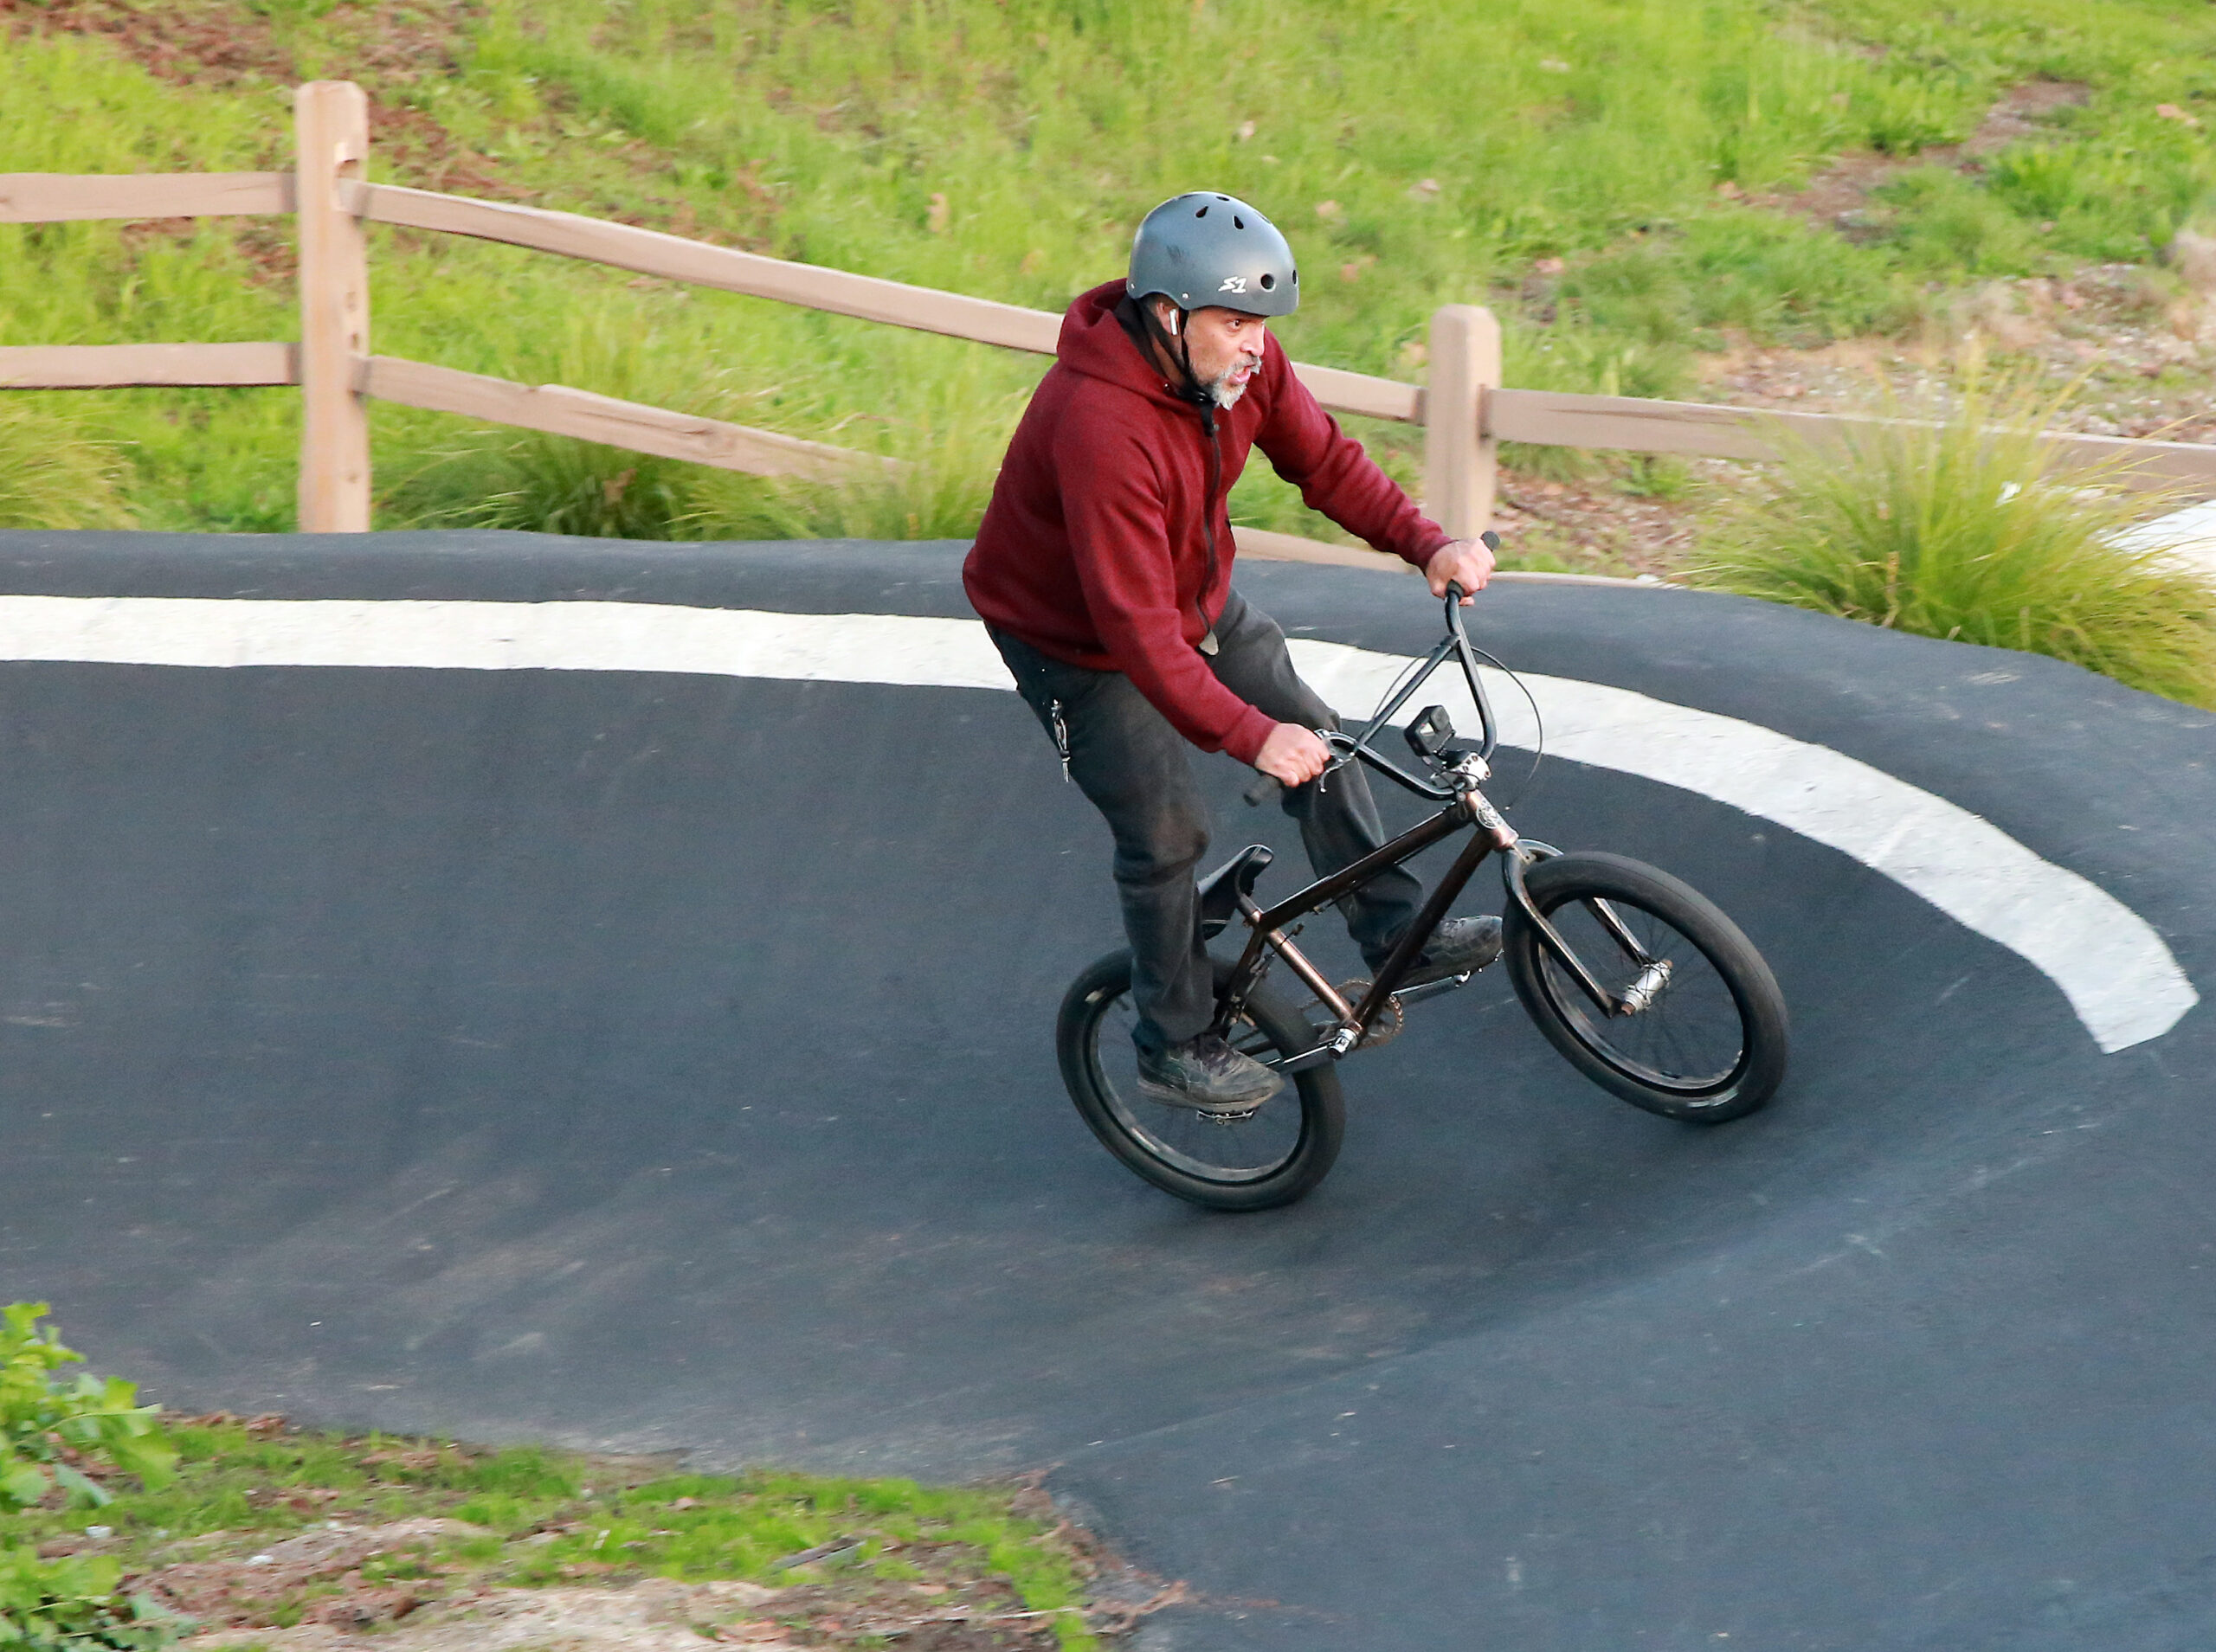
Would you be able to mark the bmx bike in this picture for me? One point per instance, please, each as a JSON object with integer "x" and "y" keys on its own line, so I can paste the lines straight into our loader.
{"x": 1638, "y": 979}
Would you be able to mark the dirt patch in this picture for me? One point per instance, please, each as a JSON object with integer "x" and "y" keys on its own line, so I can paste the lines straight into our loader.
{"x": 1839, "y": 197}
{"x": 388, "y": 49}
{"x": 431, "y": 1585}
{"x": 2136, "y": 351}
{"x": 659, "y": 1615}
{"x": 250, "y": 1587}
{"x": 654, "y": 1615}
{"x": 1591, "y": 527}
{"x": 2023, "y": 112}
{"x": 2133, "y": 348}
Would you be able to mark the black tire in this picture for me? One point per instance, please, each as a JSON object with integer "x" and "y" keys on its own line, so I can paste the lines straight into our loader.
{"x": 1711, "y": 1046}
{"x": 1269, "y": 1159}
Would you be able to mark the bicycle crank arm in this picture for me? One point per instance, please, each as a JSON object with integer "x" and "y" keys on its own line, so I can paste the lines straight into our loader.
{"x": 1408, "y": 995}
{"x": 1344, "y": 1037}
{"x": 1302, "y": 1062}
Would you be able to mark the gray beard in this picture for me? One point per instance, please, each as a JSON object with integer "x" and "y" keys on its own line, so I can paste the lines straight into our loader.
{"x": 1221, "y": 391}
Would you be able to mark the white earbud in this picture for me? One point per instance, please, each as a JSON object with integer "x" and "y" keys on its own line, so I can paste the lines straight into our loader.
{"x": 1173, "y": 324}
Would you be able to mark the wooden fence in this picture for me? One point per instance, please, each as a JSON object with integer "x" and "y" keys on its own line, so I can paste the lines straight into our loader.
{"x": 1462, "y": 406}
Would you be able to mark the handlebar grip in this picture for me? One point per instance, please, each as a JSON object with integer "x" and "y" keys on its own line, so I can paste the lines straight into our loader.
{"x": 1264, "y": 788}
{"x": 1490, "y": 540}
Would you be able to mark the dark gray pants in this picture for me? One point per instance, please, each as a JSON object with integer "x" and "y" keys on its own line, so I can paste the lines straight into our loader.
{"x": 1134, "y": 768}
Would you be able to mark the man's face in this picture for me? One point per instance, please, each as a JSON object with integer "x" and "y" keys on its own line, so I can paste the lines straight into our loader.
{"x": 1225, "y": 346}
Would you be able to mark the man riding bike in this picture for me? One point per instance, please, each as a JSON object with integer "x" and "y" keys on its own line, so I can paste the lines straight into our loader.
{"x": 1103, "y": 572}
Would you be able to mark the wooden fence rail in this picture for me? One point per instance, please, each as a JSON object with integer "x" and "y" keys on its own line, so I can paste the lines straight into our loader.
{"x": 603, "y": 419}
{"x": 93, "y": 367}
{"x": 60, "y": 197}
{"x": 1464, "y": 410}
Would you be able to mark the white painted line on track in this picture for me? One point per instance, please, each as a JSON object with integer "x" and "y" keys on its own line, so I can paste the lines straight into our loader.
{"x": 2123, "y": 982}
{"x": 2118, "y": 974}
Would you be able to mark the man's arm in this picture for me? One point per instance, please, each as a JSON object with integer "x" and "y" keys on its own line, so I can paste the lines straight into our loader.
{"x": 1335, "y": 477}
{"x": 1118, "y": 522}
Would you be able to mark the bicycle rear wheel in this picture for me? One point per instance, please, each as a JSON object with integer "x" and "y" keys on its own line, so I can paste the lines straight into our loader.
{"x": 1710, "y": 1043}
{"x": 1269, "y": 1158}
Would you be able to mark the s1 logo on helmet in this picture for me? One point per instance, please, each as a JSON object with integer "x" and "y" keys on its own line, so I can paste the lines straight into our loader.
{"x": 1233, "y": 284}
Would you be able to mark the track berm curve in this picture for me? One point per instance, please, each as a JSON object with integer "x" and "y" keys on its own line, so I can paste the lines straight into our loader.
{"x": 513, "y": 987}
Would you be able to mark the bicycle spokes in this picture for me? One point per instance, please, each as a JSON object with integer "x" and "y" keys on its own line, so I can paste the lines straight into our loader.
{"x": 1223, "y": 1148}
{"x": 1670, "y": 1016}
{"x": 1618, "y": 931}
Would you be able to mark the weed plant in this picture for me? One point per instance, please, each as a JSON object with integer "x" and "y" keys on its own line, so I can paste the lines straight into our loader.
{"x": 55, "y": 1438}
{"x": 1971, "y": 528}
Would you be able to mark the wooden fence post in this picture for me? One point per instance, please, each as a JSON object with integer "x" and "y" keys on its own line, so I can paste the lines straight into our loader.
{"x": 331, "y": 126}
{"x": 1458, "y": 454}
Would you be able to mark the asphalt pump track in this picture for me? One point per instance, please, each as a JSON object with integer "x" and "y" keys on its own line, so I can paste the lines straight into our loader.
{"x": 522, "y": 988}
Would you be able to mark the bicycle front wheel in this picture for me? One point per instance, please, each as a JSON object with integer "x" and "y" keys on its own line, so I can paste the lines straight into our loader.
{"x": 1268, "y": 1157}
{"x": 1705, "y": 1039}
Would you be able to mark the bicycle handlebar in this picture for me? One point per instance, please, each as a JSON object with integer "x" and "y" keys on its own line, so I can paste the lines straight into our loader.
{"x": 1265, "y": 787}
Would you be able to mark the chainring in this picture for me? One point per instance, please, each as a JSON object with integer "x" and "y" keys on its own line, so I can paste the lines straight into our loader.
{"x": 1391, "y": 1019}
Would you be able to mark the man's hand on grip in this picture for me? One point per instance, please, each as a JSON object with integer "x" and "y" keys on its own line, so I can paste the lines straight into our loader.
{"x": 1466, "y": 563}
{"x": 1292, "y": 756}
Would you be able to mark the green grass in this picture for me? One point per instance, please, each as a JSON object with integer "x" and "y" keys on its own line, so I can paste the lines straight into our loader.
{"x": 54, "y": 473}
{"x": 1419, "y": 152}
{"x": 552, "y": 1517}
{"x": 1969, "y": 529}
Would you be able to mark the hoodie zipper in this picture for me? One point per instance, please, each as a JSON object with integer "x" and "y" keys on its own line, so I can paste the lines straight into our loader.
{"x": 1208, "y": 643}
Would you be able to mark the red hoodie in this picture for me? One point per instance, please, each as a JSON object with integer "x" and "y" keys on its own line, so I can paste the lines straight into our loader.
{"x": 1108, "y": 545}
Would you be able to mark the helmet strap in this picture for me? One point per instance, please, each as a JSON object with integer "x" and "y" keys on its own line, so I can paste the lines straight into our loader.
{"x": 1177, "y": 345}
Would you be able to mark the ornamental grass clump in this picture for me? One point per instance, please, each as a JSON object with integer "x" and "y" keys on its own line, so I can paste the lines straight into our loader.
{"x": 1973, "y": 529}
{"x": 53, "y": 475}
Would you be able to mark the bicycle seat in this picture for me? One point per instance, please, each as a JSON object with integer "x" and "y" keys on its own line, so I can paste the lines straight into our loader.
{"x": 1220, "y": 889}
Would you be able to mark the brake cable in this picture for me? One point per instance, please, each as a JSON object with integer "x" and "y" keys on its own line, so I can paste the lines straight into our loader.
{"x": 1526, "y": 788}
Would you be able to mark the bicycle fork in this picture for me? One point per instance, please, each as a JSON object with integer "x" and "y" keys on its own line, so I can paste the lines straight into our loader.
{"x": 1654, "y": 978}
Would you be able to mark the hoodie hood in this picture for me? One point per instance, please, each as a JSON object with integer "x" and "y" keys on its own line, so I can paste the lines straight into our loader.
{"x": 1094, "y": 342}
{"x": 1108, "y": 544}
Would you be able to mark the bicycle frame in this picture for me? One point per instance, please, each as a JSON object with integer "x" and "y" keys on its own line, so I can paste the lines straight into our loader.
{"x": 1457, "y": 787}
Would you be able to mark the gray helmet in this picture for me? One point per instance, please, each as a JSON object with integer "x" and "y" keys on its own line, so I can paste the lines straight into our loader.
{"x": 1202, "y": 249}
